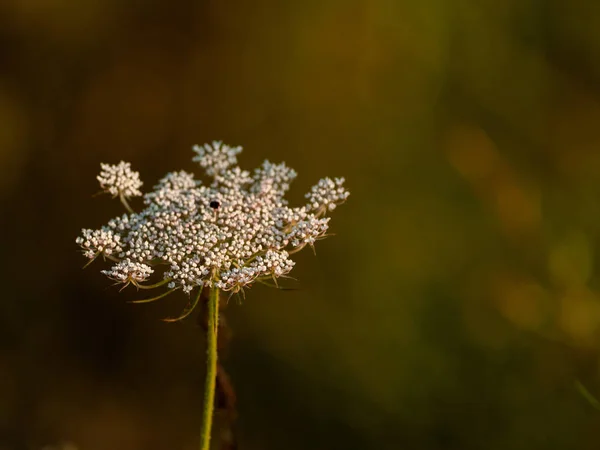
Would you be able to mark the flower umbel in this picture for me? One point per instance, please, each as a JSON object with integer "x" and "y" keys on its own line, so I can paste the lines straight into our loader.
{"x": 230, "y": 233}
{"x": 95, "y": 242}
{"x": 119, "y": 180}
{"x": 223, "y": 236}
{"x": 327, "y": 194}
{"x": 216, "y": 157}
{"x": 127, "y": 271}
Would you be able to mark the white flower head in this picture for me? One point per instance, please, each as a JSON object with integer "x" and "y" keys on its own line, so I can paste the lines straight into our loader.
{"x": 128, "y": 271}
{"x": 327, "y": 194}
{"x": 236, "y": 278}
{"x": 275, "y": 263}
{"x": 103, "y": 241}
{"x": 120, "y": 180}
{"x": 273, "y": 177}
{"x": 230, "y": 234}
{"x": 215, "y": 157}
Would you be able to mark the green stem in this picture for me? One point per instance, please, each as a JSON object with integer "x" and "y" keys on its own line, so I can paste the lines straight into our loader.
{"x": 155, "y": 285}
{"x": 153, "y": 299}
{"x": 211, "y": 368}
{"x": 126, "y": 204}
{"x": 587, "y": 394}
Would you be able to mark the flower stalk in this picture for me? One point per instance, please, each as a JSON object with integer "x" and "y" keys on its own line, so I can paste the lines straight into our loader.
{"x": 211, "y": 368}
{"x": 126, "y": 203}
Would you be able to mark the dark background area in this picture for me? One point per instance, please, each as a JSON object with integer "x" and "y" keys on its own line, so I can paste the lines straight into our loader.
{"x": 456, "y": 307}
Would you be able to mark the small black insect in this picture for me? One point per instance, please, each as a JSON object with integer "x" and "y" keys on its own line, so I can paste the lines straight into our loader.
{"x": 215, "y": 204}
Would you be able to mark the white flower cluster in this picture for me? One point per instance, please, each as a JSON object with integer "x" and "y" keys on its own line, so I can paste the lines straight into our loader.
{"x": 272, "y": 263}
{"x": 119, "y": 180}
{"x": 215, "y": 157}
{"x": 273, "y": 177}
{"x": 327, "y": 194}
{"x": 95, "y": 242}
{"x": 128, "y": 271}
{"x": 229, "y": 234}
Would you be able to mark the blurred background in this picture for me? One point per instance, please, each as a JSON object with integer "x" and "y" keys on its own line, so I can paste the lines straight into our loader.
{"x": 458, "y": 305}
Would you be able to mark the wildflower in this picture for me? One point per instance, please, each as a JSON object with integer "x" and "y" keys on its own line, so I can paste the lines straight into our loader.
{"x": 215, "y": 157}
{"x": 127, "y": 271}
{"x": 120, "y": 180}
{"x": 103, "y": 241}
{"x": 234, "y": 231}
{"x": 327, "y": 194}
{"x": 226, "y": 235}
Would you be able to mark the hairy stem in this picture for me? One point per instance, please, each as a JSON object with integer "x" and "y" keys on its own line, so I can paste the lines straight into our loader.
{"x": 211, "y": 368}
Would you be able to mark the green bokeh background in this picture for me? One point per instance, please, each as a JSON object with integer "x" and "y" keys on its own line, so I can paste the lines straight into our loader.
{"x": 456, "y": 307}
